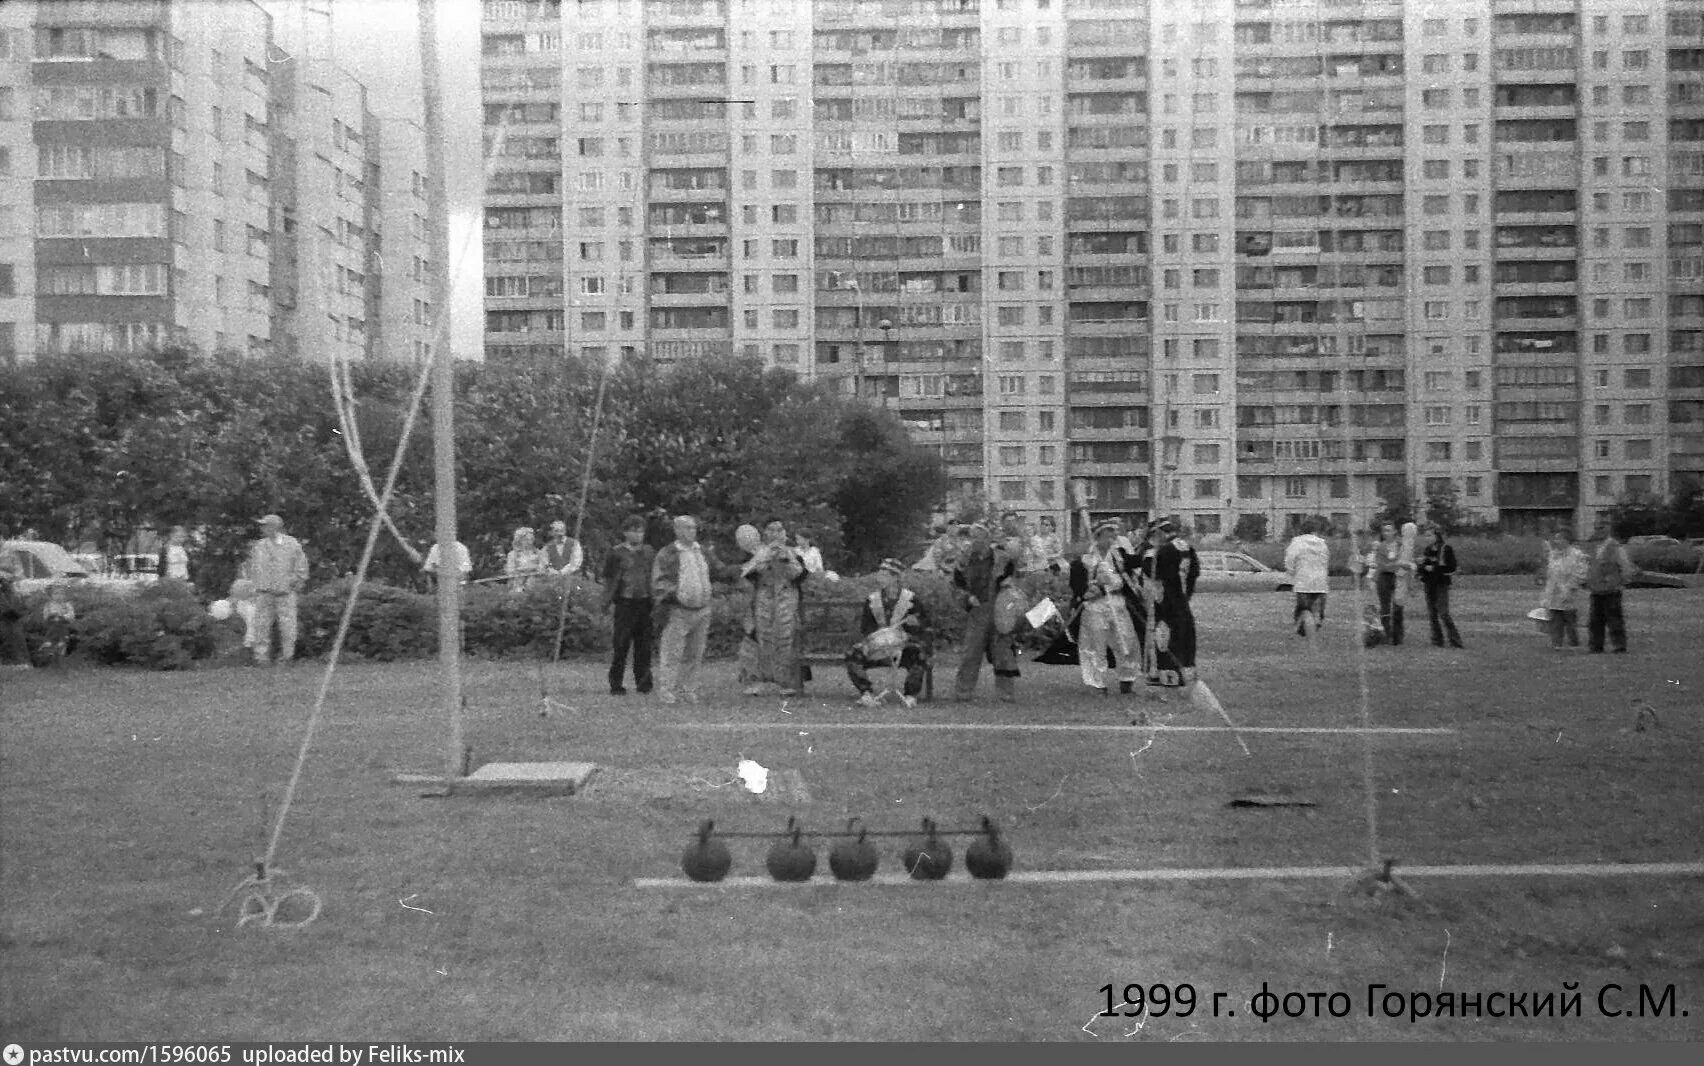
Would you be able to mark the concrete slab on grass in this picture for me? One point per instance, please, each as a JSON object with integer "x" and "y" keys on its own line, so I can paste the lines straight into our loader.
{"x": 537, "y": 779}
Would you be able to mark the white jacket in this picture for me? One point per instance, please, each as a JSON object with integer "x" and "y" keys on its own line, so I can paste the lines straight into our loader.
{"x": 1308, "y": 559}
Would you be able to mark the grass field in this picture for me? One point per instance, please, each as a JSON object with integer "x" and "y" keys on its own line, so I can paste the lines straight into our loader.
{"x": 131, "y": 803}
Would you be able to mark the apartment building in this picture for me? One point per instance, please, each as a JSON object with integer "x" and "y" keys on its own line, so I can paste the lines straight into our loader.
{"x": 1228, "y": 259}
{"x": 190, "y": 173}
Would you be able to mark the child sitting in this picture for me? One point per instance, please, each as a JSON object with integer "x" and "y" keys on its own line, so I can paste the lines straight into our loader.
{"x": 1372, "y": 630}
{"x": 59, "y": 616}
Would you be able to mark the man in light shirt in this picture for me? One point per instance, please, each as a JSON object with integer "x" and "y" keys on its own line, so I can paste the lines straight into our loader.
{"x": 279, "y": 569}
{"x": 1308, "y": 559}
{"x": 681, "y": 589}
{"x": 463, "y": 563}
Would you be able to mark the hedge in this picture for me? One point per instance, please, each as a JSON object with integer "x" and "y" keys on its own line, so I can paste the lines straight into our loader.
{"x": 161, "y": 626}
{"x": 1490, "y": 555}
{"x": 165, "y": 627}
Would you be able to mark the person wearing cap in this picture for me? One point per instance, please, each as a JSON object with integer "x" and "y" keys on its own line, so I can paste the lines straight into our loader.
{"x": 1171, "y": 568}
{"x": 892, "y": 623}
{"x": 1098, "y": 582}
{"x": 981, "y": 571}
{"x": 278, "y": 567}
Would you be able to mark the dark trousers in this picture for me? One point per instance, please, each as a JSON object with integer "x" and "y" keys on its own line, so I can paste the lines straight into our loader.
{"x": 1564, "y": 624}
{"x": 632, "y": 631}
{"x": 1438, "y": 609}
{"x": 1606, "y": 614}
{"x": 1390, "y": 612}
{"x": 858, "y": 666}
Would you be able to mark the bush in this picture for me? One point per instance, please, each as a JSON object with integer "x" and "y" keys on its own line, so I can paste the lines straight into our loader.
{"x": 1667, "y": 559}
{"x": 1474, "y": 555}
{"x": 162, "y": 627}
{"x": 391, "y": 623}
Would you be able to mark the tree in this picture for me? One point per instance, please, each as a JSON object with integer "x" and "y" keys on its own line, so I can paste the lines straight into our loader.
{"x": 105, "y": 443}
{"x": 1444, "y": 509}
{"x": 1396, "y": 504}
{"x": 887, "y": 486}
{"x": 1250, "y": 528}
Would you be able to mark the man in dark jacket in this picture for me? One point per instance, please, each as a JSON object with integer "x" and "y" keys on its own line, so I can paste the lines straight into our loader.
{"x": 1170, "y": 568}
{"x": 1437, "y": 565}
{"x": 627, "y": 588}
{"x": 977, "y": 578}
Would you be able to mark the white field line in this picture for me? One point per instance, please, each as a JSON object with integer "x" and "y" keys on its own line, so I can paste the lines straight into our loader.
{"x": 1240, "y": 873}
{"x": 1078, "y": 727}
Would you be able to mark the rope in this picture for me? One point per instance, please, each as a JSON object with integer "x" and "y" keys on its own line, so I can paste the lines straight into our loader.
{"x": 346, "y": 618}
{"x": 259, "y": 881}
{"x": 262, "y": 902}
{"x": 544, "y": 697}
{"x": 343, "y": 397}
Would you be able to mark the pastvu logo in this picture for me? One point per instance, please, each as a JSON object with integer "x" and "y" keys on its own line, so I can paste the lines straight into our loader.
{"x": 13, "y": 1054}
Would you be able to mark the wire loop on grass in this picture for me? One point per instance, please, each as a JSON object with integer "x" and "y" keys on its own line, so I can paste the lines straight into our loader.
{"x": 262, "y": 895}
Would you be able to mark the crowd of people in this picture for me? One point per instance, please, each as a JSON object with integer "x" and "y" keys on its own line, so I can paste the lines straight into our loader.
{"x": 1128, "y": 617}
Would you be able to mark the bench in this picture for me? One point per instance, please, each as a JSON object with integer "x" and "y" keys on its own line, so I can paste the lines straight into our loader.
{"x": 828, "y": 627}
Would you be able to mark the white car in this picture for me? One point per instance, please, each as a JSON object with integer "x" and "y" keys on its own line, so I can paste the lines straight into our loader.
{"x": 1228, "y": 571}
{"x": 41, "y": 563}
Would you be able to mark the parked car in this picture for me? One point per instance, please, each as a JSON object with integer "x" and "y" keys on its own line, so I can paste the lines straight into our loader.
{"x": 1228, "y": 571}
{"x": 1655, "y": 541}
{"x": 41, "y": 564}
{"x": 1645, "y": 579}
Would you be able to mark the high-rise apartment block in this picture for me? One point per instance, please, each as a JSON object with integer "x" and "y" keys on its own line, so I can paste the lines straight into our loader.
{"x": 202, "y": 172}
{"x": 1224, "y": 258}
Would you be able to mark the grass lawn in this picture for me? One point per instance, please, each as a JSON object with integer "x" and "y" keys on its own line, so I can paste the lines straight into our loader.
{"x": 131, "y": 803}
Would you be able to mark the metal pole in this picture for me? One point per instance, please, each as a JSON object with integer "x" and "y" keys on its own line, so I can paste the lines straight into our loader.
{"x": 443, "y": 395}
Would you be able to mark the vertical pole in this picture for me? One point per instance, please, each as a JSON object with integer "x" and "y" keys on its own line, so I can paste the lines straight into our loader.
{"x": 443, "y": 395}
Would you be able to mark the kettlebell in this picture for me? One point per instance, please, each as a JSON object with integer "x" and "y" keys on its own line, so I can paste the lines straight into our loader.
{"x": 854, "y": 860}
{"x": 989, "y": 858}
{"x": 930, "y": 858}
{"x": 707, "y": 858}
{"x": 791, "y": 859}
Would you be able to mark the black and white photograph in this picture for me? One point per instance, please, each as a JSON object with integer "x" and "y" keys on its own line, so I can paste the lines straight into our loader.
{"x": 542, "y": 522}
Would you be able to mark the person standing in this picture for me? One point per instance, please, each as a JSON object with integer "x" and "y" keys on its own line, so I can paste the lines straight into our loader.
{"x": 1436, "y": 567}
{"x": 525, "y": 560}
{"x": 1098, "y": 582}
{"x": 463, "y": 563}
{"x": 1607, "y": 574}
{"x": 681, "y": 590}
{"x": 981, "y": 570}
{"x": 278, "y": 567}
{"x": 14, "y": 652}
{"x": 892, "y": 623}
{"x": 174, "y": 556}
{"x": 775, "y": 573}
{"x": 1384, "y": 566}
{"x": 627, "y": 588}
{"x": 1565, "y": 567}
{"x": 1172, "y": 571}
{"x": 809, "y": 553}
{"x": 1308, "y": 560}
{"x": 563, "y": 555}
